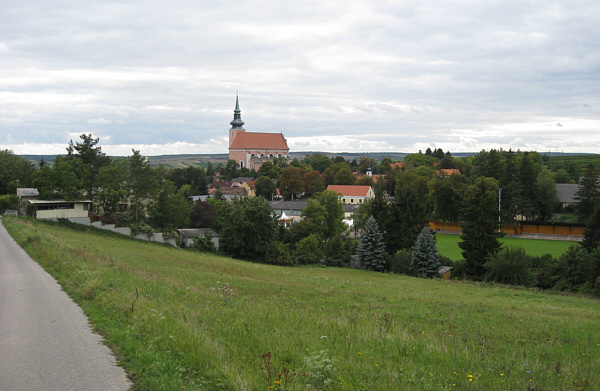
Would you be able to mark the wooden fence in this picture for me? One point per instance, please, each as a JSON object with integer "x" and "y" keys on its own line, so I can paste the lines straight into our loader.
{"x": 524, "y": 228}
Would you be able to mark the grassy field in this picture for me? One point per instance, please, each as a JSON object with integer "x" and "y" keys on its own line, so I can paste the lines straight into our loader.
{"x": 182, "y": 320}
{"x": 448, "y": 246}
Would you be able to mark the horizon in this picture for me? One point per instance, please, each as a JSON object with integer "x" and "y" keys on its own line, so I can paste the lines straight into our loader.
{"x": 353, "y": 76}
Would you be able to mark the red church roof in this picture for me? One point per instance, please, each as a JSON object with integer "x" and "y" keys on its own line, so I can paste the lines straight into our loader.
{"x": 253, "y": 140}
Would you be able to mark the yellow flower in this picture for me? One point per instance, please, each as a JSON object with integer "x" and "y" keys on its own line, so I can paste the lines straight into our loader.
{"x": 276, "y": 381}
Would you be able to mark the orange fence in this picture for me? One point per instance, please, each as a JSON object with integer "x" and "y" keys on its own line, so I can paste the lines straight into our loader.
{"x": 523, "y": 228}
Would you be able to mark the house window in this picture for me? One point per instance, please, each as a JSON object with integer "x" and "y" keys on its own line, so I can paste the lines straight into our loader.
{"x": 241, "y": 164}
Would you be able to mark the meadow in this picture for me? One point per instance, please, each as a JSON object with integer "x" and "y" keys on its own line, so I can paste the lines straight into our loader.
{"x": 448, "y": 246}
{"x": 184, "y": 320}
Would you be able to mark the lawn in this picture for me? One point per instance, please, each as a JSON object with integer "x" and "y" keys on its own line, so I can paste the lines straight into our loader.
{"x": 448, "y": 246}
{"x": 183, "y": 320}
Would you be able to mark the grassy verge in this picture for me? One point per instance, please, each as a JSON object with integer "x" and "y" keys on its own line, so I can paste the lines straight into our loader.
{"x": 182, "y": 320}
{"x": 448, "y": 246}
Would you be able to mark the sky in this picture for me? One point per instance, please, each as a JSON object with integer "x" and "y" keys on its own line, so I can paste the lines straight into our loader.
{"x": 161, "y": 77}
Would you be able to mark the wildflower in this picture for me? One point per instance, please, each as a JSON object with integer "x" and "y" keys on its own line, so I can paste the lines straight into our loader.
{"x": 276, "y": 381}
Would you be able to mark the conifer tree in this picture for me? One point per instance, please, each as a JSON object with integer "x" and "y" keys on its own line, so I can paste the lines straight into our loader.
{"x": 425, "y": 258}
{"x": 480, "y": 225}
{"x": 371, "y": 251}
{"x": 588, "y": 194}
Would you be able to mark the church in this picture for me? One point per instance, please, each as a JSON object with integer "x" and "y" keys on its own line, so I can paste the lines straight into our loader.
{"x": 251, "y": 150}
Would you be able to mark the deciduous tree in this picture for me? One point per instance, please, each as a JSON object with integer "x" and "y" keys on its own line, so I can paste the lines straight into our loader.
{"x": 249, "y": 226}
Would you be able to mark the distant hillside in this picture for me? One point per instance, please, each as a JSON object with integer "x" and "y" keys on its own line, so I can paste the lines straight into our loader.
{"x": 197, "y": 160}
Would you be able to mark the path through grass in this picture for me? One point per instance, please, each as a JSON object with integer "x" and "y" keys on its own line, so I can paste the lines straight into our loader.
{"x": 183, "y": 320}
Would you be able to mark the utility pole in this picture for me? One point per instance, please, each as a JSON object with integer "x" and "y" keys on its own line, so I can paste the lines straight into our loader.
{"x": 499, "y": 209}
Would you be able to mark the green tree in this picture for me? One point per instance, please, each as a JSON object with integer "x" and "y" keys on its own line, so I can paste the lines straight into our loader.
{"x": 528, "y": 173}
{"x": 546, "y": 198}
{"x": 447, "y": 196}
{"x": 8, "y": 201}
{"x": 93, "y": 159}
{"x": 14, "y": 172}
{"x": 480, "y": 224}
{"x": 170, "y": 210}
{"x": 142, "y": 181}
{"x": 365, "y": 164}
{"x": 371, "y": 250}
{"x": 588, "y": 194}
{"x": 309, "y": 181}
{"x": 344, "y": 176}
{"x": 203, "y": 215}
{"x": 248, "y": 226}
{"x": 265, "y": 187}
{"x": 290, "y": 182}
{"x": 425, "y": 260}
{"x": 66, "y": 178}
{"x": 308, "y": 250}
{"x": 112, "y": 181}
{"x": 318, "y": 161}
{"x": 591, "y": 234}
{"x": 410, "y": 212}
{"x": 269, "y": 169}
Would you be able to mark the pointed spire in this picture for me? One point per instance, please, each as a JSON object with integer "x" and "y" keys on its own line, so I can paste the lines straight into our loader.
{"x": 237, "y": 122}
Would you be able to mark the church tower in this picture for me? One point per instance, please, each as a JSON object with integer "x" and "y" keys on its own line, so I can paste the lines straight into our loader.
{"x": 237, "y": 123}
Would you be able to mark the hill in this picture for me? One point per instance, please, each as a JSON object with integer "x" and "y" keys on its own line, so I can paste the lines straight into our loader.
{"x": 186, "y": 320}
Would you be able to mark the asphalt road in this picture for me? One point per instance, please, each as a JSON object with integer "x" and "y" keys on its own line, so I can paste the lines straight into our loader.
{"x": 45, "y": 339}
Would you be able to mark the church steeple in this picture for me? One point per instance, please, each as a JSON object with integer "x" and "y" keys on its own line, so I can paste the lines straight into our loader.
{"x": 237, "y": 122}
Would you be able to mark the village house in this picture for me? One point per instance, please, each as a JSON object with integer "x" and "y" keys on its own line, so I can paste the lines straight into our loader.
{"x": 251, "y": 150}
{"x": 351, "y": 194}
{"x": 60, "y": 209}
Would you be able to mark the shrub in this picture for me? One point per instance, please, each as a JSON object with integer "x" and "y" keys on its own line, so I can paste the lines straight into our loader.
{"x": 544, "y": 268}
{"x": 140, "y": 228}
{"x": 400, "y": 262}
{"x": 8, "y": 201}
{"x": 279, "y": 254}
{"x": 577, "y": 269}
{"x": 204, "y": 243}
{"x": 338, "y": 250}
{"x": 308, "y": 250}
{"x": 510, "y": 266}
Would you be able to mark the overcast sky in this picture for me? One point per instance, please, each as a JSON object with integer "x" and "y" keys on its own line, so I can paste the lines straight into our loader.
{"x": 369, "y": 76}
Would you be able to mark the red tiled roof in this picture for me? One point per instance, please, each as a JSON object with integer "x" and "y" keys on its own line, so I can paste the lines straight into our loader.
{"x": 350, "y": 190}
{"x": 448, "y": 171}
{"x": 394, "y": 165}
{"x": 245, "y": 140}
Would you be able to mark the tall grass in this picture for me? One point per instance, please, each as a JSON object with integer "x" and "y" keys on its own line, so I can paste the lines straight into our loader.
{"x": 181, "y": 320}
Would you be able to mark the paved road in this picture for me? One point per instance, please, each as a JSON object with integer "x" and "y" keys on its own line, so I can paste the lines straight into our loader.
{"x": 45, "y": 340}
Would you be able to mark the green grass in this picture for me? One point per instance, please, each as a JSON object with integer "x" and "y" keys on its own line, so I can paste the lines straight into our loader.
{"x": 202, "y": 322}
{"x": 448, "y": 246}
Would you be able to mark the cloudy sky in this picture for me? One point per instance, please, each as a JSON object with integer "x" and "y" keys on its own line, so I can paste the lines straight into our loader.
{"x": 370, "y": 76}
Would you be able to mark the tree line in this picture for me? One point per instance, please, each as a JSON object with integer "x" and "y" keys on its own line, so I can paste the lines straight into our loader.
{"x": 485, "y": 191}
